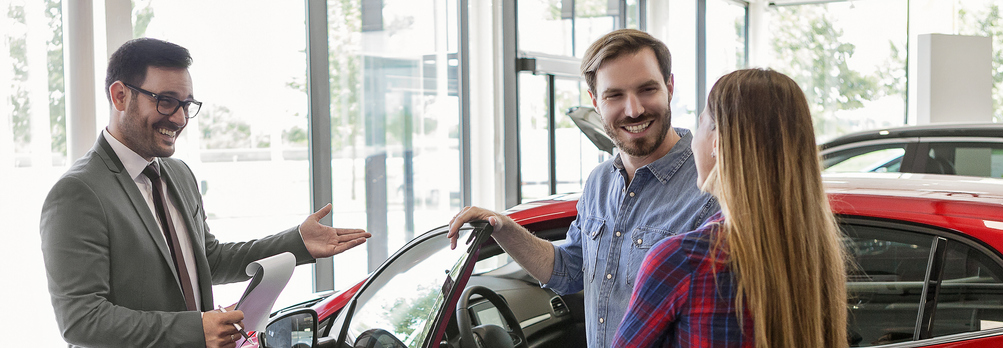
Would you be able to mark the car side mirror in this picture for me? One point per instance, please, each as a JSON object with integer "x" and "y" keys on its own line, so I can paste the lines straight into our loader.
{"x": 296, "y": 329}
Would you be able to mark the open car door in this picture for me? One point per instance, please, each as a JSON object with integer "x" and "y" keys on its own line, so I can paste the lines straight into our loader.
{"x": 410, "y": 298}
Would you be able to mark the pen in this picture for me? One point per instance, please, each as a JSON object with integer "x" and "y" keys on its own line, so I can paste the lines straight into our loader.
{"x": 239, "y": 329}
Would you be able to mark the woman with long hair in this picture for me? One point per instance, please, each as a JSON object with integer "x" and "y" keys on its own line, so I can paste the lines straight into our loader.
{"x": 769, "y": 269}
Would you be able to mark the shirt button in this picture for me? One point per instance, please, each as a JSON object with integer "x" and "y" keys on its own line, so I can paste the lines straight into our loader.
{"x": 617, "y": 233}
{"x": 639, "y": 241}
{"x": 601, "y": 320}
{"x": 632, "y": 194}
{"x": 609, "y": 276}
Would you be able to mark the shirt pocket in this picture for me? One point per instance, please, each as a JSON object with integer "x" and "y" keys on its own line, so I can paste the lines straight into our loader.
{"x": 592, "y": 231}
{"x": 641, "y": 240}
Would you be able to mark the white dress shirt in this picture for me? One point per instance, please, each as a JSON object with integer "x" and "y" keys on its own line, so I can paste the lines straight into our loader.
{"x": 134, "y": 164}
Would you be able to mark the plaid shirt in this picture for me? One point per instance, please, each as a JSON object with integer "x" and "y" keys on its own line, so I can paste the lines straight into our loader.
{"x": 618, "y": 222}
{"x": 678, "y": 301}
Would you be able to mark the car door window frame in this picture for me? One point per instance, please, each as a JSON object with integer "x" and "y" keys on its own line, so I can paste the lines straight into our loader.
{"x": 457, "y": 279}
{"x": 934, "y": 275}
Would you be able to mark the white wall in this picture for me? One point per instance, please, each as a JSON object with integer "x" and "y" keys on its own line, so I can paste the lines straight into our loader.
{"x": 954, "y": 81}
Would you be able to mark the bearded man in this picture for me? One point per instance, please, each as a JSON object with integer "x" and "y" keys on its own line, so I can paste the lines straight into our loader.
{"x": 646, "y": 193}
{"x": 128, "y": 254}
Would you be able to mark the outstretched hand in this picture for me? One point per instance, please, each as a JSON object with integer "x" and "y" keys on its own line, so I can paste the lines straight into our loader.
{"x": 323, "y": 241}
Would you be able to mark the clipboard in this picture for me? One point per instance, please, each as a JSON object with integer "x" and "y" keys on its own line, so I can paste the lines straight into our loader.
{"x": 268, "y": 277}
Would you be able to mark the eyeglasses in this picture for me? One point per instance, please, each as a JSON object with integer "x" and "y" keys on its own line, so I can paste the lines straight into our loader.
{"x": 167, "y": 105}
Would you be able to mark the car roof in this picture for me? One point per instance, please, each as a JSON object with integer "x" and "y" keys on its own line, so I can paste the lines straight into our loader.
{"x": 953, "y": 202}
{"x": 930, "y": 130}
{"x": 968, "y": 190}
{"x": 913, "y": 185}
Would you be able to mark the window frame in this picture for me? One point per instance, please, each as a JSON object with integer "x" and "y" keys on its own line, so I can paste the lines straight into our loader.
{"x": 929, "y": 299}
{"x": 924, "y": 145}
{"x": 908, "y": 144}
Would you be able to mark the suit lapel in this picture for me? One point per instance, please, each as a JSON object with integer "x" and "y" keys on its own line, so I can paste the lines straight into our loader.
{"x": 136, "y": 198}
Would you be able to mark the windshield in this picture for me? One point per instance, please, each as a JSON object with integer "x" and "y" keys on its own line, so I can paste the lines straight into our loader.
{"x": 403, "y": 298}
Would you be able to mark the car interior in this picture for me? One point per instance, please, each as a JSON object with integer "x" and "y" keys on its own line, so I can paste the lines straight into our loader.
{"x": 966, "y": 158}
{"x": 546, "y": 318}
{"x": 396, "y": 312}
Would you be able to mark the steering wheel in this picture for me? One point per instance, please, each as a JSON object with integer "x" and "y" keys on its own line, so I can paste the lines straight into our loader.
{"x": 487, "y": 335}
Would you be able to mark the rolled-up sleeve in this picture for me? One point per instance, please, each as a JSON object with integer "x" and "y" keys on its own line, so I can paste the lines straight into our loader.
{"x": 568, "y": 264}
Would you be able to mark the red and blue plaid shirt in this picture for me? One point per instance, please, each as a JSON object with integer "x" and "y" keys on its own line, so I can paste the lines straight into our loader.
{"x": 680, "y": 301}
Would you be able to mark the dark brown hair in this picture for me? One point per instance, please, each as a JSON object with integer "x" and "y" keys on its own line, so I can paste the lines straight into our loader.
{"x": 621, "y": 42}
{"x": 130, "y": 62}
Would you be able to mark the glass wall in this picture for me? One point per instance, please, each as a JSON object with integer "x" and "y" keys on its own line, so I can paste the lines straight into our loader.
{"x": 247, "y": 146}
{"x": 848, "y": 57}
{"x": 394, "y": 122}
{"x": 547, "y": 17}
{"x": 726, "y": 39}
{"x": 32, "y": 157}
{"x": 534, "y": 146}
{"x": 682, "y": 44}
{"x": 983, "y": 18}
{"x": 576, "y": 155}
{"x": 33, "y": 96}
{"x": 570, "y": 32}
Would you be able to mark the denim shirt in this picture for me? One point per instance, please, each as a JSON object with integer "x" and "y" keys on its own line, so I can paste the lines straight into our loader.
{"x": 617, "y": 224}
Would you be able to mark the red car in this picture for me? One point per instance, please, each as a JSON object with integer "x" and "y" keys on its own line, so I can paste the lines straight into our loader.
{"x": 929, "y": 273}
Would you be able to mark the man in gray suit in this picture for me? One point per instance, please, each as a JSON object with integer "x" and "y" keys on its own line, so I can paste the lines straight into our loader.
{"x": 129, "y": 257}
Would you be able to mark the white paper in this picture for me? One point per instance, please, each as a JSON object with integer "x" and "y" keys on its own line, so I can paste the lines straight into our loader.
{"x": 268, "y": 277}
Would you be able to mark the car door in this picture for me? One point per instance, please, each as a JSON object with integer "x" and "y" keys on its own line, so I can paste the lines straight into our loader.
{"x": 409, "y": 299}
{"x": 919, "y": 286}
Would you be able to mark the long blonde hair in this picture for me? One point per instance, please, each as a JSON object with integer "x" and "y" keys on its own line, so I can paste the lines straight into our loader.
{"x": 779, "y": 232}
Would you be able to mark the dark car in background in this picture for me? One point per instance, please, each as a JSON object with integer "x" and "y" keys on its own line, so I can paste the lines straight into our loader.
{"x": 952, "y": 149}
{"x": 927, "y": 248}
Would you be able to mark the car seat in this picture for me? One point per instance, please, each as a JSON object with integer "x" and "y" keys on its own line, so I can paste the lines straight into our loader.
{"x": 938, "y": 165}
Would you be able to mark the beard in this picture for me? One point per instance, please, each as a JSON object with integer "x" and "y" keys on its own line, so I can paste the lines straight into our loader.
{"x": 643, "y": 146}
{"x": 143, "y": 139}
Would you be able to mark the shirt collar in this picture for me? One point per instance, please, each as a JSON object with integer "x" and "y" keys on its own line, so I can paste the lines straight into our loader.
{"x": 133, "y": 162}
{"x": 664, "y": 167}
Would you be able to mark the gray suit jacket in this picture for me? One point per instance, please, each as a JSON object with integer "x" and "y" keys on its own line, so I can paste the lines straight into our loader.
{"x": 109, "y": 270}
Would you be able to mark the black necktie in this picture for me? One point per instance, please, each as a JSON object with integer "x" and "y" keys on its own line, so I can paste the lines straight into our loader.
{"x": 167, "y": 225}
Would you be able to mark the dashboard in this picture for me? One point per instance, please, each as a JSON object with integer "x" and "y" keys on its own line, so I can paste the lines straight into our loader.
{"x": 547, "y": 319}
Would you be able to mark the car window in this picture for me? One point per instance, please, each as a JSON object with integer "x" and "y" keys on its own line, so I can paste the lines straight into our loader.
{"x": 495, "y": 262}
{"x": 887, "y": 282}
{"x": 404, "y": 296}
{"x": 965, "y": 158}
{"x": 971, "y": 295}
{"x": 877, "y": 158}
{"x": 492, "y": 263}
{"x": 886, "y": 285}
